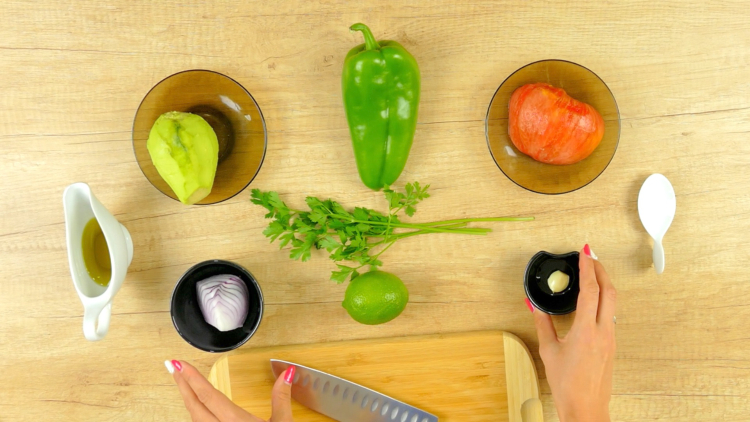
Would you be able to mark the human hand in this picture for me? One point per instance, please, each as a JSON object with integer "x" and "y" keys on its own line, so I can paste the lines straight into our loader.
{"x": 579, "y": 366}
{"x": 207, "y": 404}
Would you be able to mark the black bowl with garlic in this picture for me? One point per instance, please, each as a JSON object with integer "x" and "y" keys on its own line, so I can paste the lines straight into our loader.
{"x": 551, "y": 282}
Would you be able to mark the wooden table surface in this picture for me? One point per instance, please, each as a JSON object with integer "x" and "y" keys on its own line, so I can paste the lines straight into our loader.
{"x": 72, "y": 74}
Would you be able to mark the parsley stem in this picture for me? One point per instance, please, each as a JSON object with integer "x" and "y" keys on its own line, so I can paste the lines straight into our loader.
{"x": 404, "y": 235}
{"x": 422, "y": 226}
{"x": 457, "y": 228}
{"x": 452, "y": 225}
{"x": 472, "y": 220}
{"x": 476, "y": 231}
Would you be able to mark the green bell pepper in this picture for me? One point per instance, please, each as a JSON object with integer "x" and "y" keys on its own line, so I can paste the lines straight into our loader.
{"x": 380, "y": 85}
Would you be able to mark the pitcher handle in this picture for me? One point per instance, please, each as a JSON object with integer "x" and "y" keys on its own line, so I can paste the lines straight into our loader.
{"x": 96, "y": 324}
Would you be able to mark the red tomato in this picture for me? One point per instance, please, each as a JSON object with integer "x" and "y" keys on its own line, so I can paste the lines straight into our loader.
{"x": 548, "y": 125}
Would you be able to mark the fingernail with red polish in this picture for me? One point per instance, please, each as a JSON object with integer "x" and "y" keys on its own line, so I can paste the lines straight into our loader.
{"x": 529, "y": 305}
{"x": 289, "y": 375}
{"x": 177, "y": 365}
{"x": 589, "y": 252}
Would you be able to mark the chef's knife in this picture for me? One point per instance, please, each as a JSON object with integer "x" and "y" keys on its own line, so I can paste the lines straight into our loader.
{"x": 344, "y": 400}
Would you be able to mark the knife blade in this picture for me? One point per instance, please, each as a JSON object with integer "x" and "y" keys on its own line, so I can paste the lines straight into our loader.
{"x": 344, "y": 400}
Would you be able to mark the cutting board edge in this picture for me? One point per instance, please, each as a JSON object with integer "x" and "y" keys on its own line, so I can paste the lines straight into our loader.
{"x": 521, "y": 378}
{"x": 218, "y": 376}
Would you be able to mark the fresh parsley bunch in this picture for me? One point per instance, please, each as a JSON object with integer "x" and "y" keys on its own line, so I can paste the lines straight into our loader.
{"x": 360, "y": 236}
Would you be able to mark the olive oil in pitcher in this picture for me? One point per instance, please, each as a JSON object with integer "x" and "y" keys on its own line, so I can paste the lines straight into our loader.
{"x": 96, "y": 253}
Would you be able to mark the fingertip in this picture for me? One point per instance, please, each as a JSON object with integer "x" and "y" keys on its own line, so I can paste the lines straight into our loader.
{"x": 588, "y": 297}
{"x": 281, "y": 395}
{"x": 589, "y": 252}
{"x": 542, "y": 317}
{"x": 529, "y": 305}
{"x": 586, "y": 266}
{"x": 289, "y": 375}
{"x": 585, "y": 255}
{"x": 280, "y": 382}
{"x": 185, "y": 368}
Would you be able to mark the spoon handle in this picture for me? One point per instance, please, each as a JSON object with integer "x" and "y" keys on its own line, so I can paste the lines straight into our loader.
{"x": 658, "y": 257}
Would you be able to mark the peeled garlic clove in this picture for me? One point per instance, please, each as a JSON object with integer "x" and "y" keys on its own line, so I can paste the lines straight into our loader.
{"x": 558, "y": 281}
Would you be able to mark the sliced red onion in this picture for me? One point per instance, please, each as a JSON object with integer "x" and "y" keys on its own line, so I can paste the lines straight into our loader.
{"x": 223, "y": 300}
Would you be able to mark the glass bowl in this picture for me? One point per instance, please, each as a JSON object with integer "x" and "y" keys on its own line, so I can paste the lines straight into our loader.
{"x": 581, "y": 84}
{"x": 227, "y": 107}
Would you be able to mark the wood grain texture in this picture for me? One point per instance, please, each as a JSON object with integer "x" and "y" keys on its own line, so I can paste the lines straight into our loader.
{"x": 218, "y": 376}
{"x": 532, "y": 411}
{"x": 520, "y": 378}
{"x": 456, "y": 377}
{"x": 73, "y": 74}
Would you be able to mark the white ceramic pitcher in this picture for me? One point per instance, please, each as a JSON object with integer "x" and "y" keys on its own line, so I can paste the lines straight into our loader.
{"x": 80, "y": 207}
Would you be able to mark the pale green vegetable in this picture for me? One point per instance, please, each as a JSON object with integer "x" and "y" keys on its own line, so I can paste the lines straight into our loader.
{"x": 185, "y": 152}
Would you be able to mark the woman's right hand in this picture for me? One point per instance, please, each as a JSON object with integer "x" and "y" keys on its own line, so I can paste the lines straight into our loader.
{"x": 579, "y": 366}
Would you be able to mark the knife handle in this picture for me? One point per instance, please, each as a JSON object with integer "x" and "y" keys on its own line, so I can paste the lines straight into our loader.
{"x": 531, "y": 411}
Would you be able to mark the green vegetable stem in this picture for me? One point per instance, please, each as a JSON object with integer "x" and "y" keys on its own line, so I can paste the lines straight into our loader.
{"x": 360, "y": 236}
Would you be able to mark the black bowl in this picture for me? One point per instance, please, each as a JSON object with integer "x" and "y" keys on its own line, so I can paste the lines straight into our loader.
{"x": 188, "y": 319}
{"x": 538, "y": 271}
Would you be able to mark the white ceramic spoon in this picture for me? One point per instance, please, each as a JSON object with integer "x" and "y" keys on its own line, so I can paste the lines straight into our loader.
{"x": 656, "y": 207}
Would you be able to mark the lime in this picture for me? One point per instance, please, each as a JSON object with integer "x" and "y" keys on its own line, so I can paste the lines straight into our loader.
{"x": 375, "y": 297}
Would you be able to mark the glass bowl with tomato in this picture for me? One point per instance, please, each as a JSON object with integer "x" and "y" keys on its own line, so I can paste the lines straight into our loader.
{"x": 553, "y": 126}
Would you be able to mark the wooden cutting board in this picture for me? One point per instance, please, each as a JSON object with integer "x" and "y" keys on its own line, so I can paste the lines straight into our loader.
{"x": 466, "y": 377}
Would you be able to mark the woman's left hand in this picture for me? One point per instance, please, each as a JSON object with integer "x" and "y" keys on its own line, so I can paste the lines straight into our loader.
{"x": 207, "y": 404}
